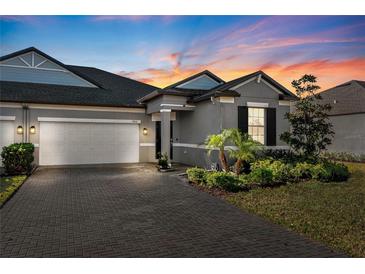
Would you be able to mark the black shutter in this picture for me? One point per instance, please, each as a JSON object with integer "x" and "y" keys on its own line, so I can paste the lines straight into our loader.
{"x": 243, "y": 118}
{"x": 271, "y": 126}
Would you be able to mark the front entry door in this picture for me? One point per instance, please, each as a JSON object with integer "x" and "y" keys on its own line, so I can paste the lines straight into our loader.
{"x": 158, "y": 138}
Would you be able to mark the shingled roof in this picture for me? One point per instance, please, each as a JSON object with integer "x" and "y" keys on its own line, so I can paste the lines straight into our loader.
{"x": 347, "y": 98}
{"x": 111, "y": 90}
{"x": 223, "y": 89}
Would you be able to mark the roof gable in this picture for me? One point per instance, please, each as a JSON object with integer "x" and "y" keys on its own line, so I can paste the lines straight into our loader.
{"x": 258, "y": 76}
{"x": 204, "y": 80}
{"x": 36, "y": 60}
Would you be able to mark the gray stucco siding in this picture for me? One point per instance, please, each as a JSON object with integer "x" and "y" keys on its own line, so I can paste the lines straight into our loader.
{"x": 146, "y": 152}
{"x": 192, "y": 128}
{"x": 42, "y": 76}
{"x": 155, "y": 104}
{"x": 349, "y": 133}
{"x": 282, "y": 124}
{"x": 195, "y": 126}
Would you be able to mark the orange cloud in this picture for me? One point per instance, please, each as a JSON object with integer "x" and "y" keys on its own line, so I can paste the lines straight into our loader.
{"x": 329, "y": 73}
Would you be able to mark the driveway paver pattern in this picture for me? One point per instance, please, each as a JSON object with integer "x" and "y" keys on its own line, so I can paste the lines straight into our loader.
{"x": 134, "y": 211}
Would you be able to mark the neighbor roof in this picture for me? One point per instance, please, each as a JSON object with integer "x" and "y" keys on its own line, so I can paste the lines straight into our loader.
{"x": 111, "y": 90}
{"x": 347, "y": 98}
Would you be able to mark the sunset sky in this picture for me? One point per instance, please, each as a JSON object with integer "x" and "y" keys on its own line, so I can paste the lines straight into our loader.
{"x": 160, "y": 50}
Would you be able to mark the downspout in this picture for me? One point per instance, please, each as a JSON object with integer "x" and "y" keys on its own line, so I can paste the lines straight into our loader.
{"x": 25, "y": 137}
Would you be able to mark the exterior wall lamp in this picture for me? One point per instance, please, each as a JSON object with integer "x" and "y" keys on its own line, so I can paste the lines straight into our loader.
{"x": 32, "y": 130}
{"x": 19, "y": 130}
{"x": 145, "y": 131}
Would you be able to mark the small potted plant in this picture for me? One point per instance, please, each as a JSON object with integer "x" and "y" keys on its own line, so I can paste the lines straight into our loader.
{"x": 163, "y": 162}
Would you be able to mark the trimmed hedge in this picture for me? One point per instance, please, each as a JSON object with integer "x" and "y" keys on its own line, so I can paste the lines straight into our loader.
{"x": 344, "y": 156}
{"x": 269, "y": 173}
{"x": 224, "y": 180}
{"x": 197, "y": 175}
{"x": 18, "y": 158}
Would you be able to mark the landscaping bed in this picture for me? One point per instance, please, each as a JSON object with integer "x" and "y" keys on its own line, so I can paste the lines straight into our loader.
{"x": 8, "y": 186}
{"x": 17, "y": 166}
{"x": 330, "y": 212}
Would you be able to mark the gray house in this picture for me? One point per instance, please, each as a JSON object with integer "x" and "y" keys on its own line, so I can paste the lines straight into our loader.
{"x": 84, "y": 115}
{"x": 347, "y": 116}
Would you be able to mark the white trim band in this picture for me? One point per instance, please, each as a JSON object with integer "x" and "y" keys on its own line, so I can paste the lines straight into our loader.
{"x": 7, "y": 118}
{"x": 147, "y": 144}
{"x": 226, "y": 147}
{"x": 165, "y": 110}
{"x": 74, "y": 107}
{"x": 85, "y": 120}
{"x": 171, "y": 105}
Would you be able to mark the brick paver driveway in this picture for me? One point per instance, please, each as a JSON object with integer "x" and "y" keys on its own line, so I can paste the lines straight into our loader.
{"x": 133, "y": 211}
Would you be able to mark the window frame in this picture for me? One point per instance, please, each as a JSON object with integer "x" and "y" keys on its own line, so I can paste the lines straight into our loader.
{"x": 262, "y": 125}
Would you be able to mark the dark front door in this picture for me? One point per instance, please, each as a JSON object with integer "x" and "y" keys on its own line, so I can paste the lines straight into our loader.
{"x": 158, "y": 138}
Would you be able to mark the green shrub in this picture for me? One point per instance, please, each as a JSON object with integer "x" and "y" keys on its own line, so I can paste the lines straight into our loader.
{"x": 285, "y": 155}
{"x": 280, "y": 170}
{"x": 223, "y": 180}
{"x": 17, "y": 158}
{"x": 262, "y": 176}
{"x": 197, "y": 175}
{"x": 163, "y": 160}
{"x": 330, "y": 172}
{"x": 302, "y": 171}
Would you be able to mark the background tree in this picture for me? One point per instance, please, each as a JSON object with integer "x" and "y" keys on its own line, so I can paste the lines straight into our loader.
{"x": 311, "y": 131}
{"x": 245, "y": 149}
{"x": 218, "y": 141}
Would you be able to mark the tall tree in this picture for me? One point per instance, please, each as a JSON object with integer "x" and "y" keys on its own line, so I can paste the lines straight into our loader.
{"x": 311, "y": 131}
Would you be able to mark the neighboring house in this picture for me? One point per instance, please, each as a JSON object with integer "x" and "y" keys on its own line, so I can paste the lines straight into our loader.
{"x": 347, "y": 116}
{"x": 84, "y": 115}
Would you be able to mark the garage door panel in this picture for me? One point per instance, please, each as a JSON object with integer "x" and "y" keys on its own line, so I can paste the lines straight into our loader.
{"x": 6, "y": 133}
{"x": 64, "y": 143}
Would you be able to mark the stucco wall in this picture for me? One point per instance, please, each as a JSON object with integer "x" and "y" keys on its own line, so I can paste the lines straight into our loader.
{"x": 349, "y": 133}
{"x": 147, "y": 153}
{"x": 209, "y": 118}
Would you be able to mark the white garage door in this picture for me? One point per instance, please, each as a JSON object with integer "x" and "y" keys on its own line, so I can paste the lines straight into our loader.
{"x": 68, "y": 143}
{"x": 6, "y": 133}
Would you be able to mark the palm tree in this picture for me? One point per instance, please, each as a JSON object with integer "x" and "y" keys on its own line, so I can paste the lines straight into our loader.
{"x": 245, "y": 148}
{"x": 218, "y": 141}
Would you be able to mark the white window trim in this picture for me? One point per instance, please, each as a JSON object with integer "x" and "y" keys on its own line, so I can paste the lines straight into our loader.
{"x": 86, "y": 120}
{"x": 284, "y": 103}
{"x": 7, "y": 118}
{"x": 259, "y": 126}
{"x": 257, "y": 105}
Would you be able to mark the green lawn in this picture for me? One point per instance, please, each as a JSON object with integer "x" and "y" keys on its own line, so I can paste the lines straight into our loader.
{"x": 8, "y": 185}
{"x": 333, "y": 213}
